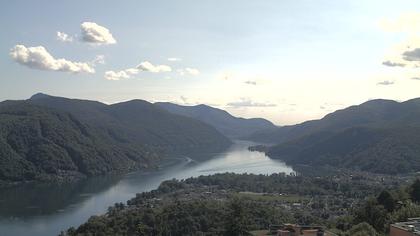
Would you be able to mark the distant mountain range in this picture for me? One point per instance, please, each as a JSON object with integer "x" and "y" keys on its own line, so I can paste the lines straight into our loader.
{"x": 49, "y": 137}
{"x": 379, "y": 135}
{"x": 230, "y": 126}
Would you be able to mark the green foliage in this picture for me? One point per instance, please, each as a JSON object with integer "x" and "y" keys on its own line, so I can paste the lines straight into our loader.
{"x": 362, "y": 229}
{"x": 386, "y": 199}
{"x": 50, "y": 138}
{"x": 220, "y": 205}
{"x": 237, "y": 219}
{"x": 415, "y": 191}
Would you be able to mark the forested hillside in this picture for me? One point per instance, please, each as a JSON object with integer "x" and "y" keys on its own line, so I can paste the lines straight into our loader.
{"x": 48, "y": 138}
{"x": 233, "y": 127}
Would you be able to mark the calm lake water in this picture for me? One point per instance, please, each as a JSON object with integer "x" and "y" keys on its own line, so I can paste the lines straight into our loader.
{"x": 46, "y": 209}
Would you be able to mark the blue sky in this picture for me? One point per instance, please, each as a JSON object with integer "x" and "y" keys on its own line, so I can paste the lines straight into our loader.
{"x": 287, "y": 61}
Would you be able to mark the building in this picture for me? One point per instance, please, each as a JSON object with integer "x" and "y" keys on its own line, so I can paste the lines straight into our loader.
{"x": 409, "y": 228}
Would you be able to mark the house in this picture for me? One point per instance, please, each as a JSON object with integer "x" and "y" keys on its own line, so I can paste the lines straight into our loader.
{"x": 409, "y": 228}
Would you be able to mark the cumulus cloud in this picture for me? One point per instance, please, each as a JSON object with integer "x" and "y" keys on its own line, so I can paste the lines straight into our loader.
{"x": 63, "y": 37}
{"x": 250, "y": 82}
{"x": 386, "y": 82}
{"x": 94, "y": 33}
{"x": 174, "y": 59}
{"x": 245, "y": 102}
{"x": 188, "y": 71}
{"x": 119, "y": 75}
{"x": 147, "y": 66}
{"x": 128, "y": 73}
{"x": 40, "y": 58}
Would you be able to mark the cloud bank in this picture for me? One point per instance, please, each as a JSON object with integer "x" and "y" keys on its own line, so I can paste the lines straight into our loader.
{"x": 40, "y": 58}
{"x": 94, "y": 33}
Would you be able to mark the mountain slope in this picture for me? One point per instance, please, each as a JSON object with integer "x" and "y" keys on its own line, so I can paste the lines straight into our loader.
{"x": 379, "y": 136}
{"x": 372, "y": 113}
{"x": 233, "y": 127}
{"x": 38, "y": 143}
{"x": 51, "y": 138}
{"x": 383, "y": 150}
{"x": 141, "y": 122}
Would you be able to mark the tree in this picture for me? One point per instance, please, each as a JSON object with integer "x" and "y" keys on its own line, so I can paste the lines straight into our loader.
{"x": 236, "y": 222}
{"x": 386, "y": 199}
{"x": 372, "y": 213}
{"x": 362, "y": 229}
{"x": 415, "y": 191}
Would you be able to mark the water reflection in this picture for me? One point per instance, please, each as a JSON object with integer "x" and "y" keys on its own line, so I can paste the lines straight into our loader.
{"x": 46, "y": 209}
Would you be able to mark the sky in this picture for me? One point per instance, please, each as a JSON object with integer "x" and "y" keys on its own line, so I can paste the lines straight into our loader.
{"x": 287, "y": 61}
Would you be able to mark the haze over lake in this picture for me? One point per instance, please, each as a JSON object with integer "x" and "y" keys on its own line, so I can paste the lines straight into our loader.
{"x": 46, "y": 209}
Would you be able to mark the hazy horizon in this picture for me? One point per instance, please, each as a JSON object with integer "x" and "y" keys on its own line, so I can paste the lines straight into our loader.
{"x": 266, "y": 59}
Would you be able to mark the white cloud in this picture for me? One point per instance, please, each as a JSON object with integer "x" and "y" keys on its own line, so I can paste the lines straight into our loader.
{"x": 147, "y": 66}
{"x": 40, "y": 58}
{"x": 246, "y": 102}
{"x": 119, "y": 75}
{"x": 63, "y": 37}
{"x": 174, "y": 59}
{"x": 188, "y": 71}
{"x": 144, "y": 66}
{"x": 94, "y": 33}
{"x": 99, "y": 59}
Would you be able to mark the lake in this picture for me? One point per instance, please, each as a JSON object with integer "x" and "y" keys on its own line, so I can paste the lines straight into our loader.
{"x": 46, "y": 209}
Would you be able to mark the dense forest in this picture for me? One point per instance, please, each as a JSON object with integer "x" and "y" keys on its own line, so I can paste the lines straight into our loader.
{"x": 238, "y": 204}
{"x": 50, "y": 138}
{"x": 230, "y": 126}
{"x": 377, "y": 136}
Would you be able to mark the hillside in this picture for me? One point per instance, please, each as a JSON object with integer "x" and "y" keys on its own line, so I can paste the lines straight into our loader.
{"x": 142, "y": 122}
{"x": 230, "y": 126}
{"x": 37, "y": 143}
{"x": 386, "y": 150}
{"x": 50, "y": 138}
{"x": 372, "y": 113}
{"x": 379, "y": 136}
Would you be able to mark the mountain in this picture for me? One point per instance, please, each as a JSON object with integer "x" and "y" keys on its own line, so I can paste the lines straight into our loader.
{"x": 372, "y": 113}
{"x": 38, "y": 143}
{"x": 49, "y": 137}
{"x": 139, "y": 121}
{"x": 230, "y": 126}
{"x": 379, "y": 136}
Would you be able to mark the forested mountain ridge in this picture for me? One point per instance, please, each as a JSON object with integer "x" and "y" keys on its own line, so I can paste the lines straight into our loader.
{"x": 38, "y": 143}
{"x": 377, "y": 112}
{"x": 47, "y": 137}
{"x": 380, "y": 136}
{"x": 233, "y": 127}
{"x": 142, "y": 122}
